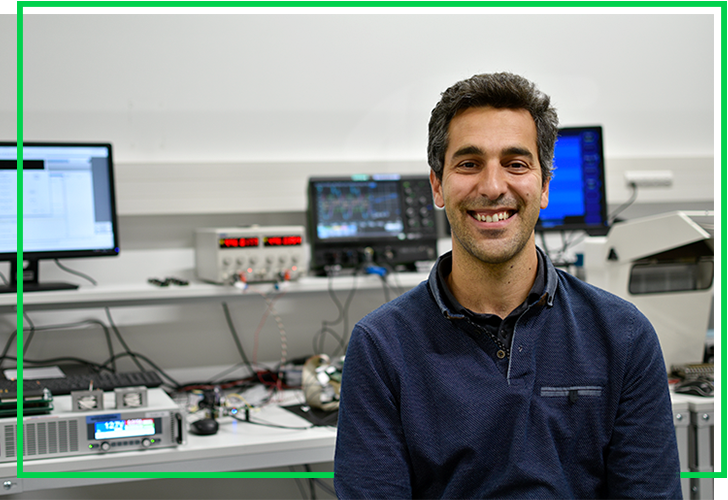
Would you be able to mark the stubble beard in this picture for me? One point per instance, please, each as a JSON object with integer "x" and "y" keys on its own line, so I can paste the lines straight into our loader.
{"x": 492, "y": 247}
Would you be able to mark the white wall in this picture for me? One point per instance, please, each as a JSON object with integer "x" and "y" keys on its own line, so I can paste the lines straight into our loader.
{"x": 218, "y": 88}
{"x": 213, "y": 97}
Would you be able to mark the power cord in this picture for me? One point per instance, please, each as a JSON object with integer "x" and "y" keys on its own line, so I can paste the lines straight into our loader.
{"x": 121, "y": 339}
{"x": 77, "y": 273}
{"x": 343, "y": 317}
{"x": 13, "y": 335}
{"x": 620, "y": 209}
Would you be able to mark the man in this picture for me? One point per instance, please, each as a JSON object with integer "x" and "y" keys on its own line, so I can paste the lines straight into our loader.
{"x": 500, "y": 376}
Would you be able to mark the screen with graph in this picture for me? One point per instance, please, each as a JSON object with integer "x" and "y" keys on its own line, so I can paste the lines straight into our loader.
{"x": 351, "y": 209}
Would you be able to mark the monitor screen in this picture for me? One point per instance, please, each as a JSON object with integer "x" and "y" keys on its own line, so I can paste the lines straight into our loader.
{"x": 577, "y": 199}
{"x": 69, "y": 207}
{"x": 350, "y": 210}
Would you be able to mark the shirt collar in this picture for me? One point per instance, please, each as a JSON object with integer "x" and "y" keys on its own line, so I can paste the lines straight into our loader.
{"x": 544, "y": 286}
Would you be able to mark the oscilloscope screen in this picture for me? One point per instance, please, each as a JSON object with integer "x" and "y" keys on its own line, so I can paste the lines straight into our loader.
{"x": 354, "y": 209}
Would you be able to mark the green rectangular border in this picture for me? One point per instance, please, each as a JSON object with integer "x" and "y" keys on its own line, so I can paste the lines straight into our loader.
{"x": 333, "y": 4}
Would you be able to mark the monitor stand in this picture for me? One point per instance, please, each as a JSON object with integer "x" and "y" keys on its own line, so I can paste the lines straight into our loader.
{"x": 30, "y": 280}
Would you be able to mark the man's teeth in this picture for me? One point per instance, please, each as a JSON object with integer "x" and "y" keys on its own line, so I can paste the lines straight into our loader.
{"x": 491, "y": 218}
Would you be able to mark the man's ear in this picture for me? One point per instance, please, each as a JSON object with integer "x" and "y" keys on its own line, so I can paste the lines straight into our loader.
{"x": 545, "y": 194}
{"x": 437, "y": 190}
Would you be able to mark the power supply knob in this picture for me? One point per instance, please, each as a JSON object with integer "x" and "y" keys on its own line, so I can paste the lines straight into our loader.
{"x": 105, "y": 446}
{"x": 146, "y": 443}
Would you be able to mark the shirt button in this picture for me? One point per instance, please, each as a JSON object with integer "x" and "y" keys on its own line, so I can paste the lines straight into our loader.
{"x": 501, "y": 354}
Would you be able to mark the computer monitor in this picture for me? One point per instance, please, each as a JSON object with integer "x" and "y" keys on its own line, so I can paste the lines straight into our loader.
{"x": 69, "y": 207}
{"x": 577, "y": 198}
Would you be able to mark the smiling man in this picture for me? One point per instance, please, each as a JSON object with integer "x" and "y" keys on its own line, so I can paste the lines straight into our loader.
{"x": 500, "y": 376}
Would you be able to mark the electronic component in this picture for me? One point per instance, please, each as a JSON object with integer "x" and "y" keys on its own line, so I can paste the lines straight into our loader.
{"x": 250, "y": 254}
{"x": 66, "y": 433}
{"x": 384, "y": 219}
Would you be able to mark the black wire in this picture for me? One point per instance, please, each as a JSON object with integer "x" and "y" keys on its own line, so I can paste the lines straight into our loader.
{"x": 620, "y": 209}
{"x": 311, "y": 484}
{"x": 30, "y": 336}
{"x": 321, "y": 335}
{"x": 325, "y": 486}
{"x": 80, "y": 361}
{"x": 121, "y": 339}
{"x": 343, "y": 316}
{"x": 135, "y": 355}
{"x": 225, "y": 372}
{"x": 13, "y": 335}
{"x": 298, "y": 482}
{"x": 384, "y": 287}
{"x": 397, "y": 288}
{"x": 77, "y": 273}
{"x": 268, "y": 424}
{"x": 236, "y": 338}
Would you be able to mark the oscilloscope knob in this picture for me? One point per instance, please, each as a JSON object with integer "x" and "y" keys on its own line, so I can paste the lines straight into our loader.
{"x": 105, "y": 446}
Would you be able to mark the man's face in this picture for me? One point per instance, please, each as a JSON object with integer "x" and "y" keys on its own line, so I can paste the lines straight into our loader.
{"x": 491, "y": 184}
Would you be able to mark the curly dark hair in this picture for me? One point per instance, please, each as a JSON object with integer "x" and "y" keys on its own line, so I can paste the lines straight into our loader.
{"x": 500, "y": 90}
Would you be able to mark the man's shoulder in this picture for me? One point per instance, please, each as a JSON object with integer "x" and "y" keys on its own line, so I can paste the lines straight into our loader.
{"x": 576, "y": 289}
{"x": 408, "y": 307}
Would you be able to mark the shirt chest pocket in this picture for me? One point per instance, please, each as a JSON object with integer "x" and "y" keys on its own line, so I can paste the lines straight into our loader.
{"x": 572, "y": 411}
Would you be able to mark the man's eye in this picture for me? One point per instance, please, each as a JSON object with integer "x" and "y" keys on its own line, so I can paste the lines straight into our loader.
{"x": 468, "y": 164}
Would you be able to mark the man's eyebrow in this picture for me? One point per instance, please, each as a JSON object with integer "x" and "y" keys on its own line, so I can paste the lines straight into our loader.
{"x": 517, "y": 151}
{"x": 467, "y": 151}
{"x": 510, "y": 151}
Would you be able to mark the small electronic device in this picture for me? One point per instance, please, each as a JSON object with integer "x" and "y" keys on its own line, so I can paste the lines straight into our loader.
{"x": 69, "y": 207}
{"x": 204, "y": 427}
{"x": 577, "y": 197}
{"x": 65, "y": 433}
{"x": 384, "y": 219}
{"x": 250, "y": 254}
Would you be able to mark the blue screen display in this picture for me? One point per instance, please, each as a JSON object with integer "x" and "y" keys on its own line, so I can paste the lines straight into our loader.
{"x": 576, "y": 193}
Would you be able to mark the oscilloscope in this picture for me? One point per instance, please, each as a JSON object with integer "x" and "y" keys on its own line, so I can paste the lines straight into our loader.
{"x": 386, "y": 219}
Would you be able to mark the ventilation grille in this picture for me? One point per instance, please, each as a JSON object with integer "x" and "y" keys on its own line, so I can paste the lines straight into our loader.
{"x": 43, "y": 439}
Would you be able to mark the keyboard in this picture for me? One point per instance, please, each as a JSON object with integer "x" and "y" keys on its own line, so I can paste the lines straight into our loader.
{"x": 60, "y": 386}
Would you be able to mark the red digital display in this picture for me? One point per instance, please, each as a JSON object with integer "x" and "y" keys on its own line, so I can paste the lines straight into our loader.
{"x": 238, "y": 242}
{"x": 282, "y": 241}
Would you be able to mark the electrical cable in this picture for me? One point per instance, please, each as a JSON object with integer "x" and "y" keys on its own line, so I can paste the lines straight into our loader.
{"x": 343, "y": 317}
{"x": 77, "y": 273}
{"x": 236, "y": 338}
{"x": 397, "y": 288}
{"x": 328, "y": 489}
{"x": 30, "y": 335}
{"x": 121, "y": 339}
{"x": 268, "y": 424}
{"x": 620, "y": 209}
{"x": 298, "y": 483}
{"x": 13, "y": 335}
{"x": 384, "y": 287}
{"x": 135, "y": 355}
{"x": 80, "y": 361}
{"x": 311, "y": 484}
